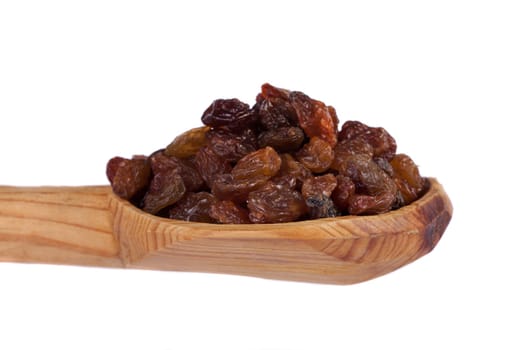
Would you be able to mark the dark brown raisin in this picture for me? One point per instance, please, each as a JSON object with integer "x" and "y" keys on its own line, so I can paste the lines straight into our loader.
{"x": 188, "y": 143}
{"x": 227, "y": 212}
{"x": 186, "y": 168}
{"x": 284, "y": 139}
{"x": 275, "y": 203}
{"x": 263, "y": 163}
{"x": 316, "y": 155}
{"x": 314, "y": 118}
{"x": 316, "y": 192}
{"x": 193, "y": 207}
{"x": 407, "y": 178}
{"x": 209, "y": 165}
{"x": 128, "y": 177}
{"x": 165, "y": 189}
{"x": 231, "y": 113}
{"x": 382, "y": 142}
{"x": 232, "y": 146}
{"x": 291, "y": 172}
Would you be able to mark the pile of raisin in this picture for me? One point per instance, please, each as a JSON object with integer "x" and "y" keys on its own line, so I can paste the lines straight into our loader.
{"x": 283, "y": 159}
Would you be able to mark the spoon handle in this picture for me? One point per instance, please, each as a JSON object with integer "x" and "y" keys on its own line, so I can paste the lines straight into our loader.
{"x": 57, "y": 225}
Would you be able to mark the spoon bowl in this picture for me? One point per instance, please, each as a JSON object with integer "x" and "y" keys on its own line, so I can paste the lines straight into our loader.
{"x": 90, "y": 226}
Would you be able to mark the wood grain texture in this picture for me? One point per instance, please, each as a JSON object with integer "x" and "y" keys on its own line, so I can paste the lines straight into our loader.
{"x": 342, "y": 250}
{"x": 60, "y": 225}
{"x": 91, "y": 226}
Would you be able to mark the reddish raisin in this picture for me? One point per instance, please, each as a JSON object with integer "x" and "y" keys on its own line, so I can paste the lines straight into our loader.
{"x": 275, "y": 203}
{"x": 194, "y": 207}
{"x": 342, "y": 193}
{"x": 382, "y": 142}
{"x": 347, "y": 148}
{"x": 160, "y": 163}
{"x": 316, "y": 192}
{"x": 128, "y": 177}
{"x": 377, "y": 190}
{"x": 165, "y": 189}
{"x": 226, "y": 188}
{"x": 314, "y": 117}
{"x": 188, "y": 143}
{"x": 209, "y": 165}
{"x": 227, "y": 212}
{"x": 316, "y": 155}
{"x": 284, "y": 139}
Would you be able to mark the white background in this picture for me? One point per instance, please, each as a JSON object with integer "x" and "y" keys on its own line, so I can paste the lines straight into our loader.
{"x": 82, "y": 81}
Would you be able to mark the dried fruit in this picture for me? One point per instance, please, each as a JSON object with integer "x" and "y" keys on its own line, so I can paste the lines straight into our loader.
{"x": 128, "y": 177}
{"x": 315, "y": 117}
{"x": 194, "y": 207}
{"x": 383, "y": 144}
{"x": 165, "y": 189}
{"x": 316, "y": 155}
{"x": 407, "y": 178}
{"x": 188, "y": 143}
{"x": 227, "y": 212}
{"x": 316, "y": 192}
{"x": 263, "y": 163}
{"x": 232, "y": 146}
{"x": 283, "y": 139}
{"x": 209, "y": 165}
{"x": 281, "y": 160}
{"x": 232, "y": 113}
{"x": 275, "y": 203}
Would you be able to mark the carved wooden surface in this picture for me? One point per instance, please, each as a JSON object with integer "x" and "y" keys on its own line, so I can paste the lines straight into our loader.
{"x": 91, "y": 226}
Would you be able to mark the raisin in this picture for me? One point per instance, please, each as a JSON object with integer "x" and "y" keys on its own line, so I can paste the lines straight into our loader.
{"x": 283, "y": 139}
{"x": 165, "y": 189}
{"x": 292, "y": 172}
{"x": 376, "y": 191}
{"x": 209, "y": 165}
{"x": 323, "y": 185}
{"x": 347, "y": 148}
{"x": 382, "y": 142}
{"x": 193, "y": 207}
{"x": 316, "y": 155}
{"x": 231, "y": 113}
{"x": 188, "y": 143}
{"x": 128, "y": 177}
{"x": 225, "y": 187}
{"x": 263, "y": 163}
{"x": 407, "y": 178}
{"x": 316, "y": 192}
{"x": 275, "y": 203}
{"x": 232, "y": 146}
{"x": 342, "y": 193}
{"x": 314, "y": 117}
{"x": 186, "y": 168}
{"x": 270, "y": 91}
{"x": 227, "y": 212}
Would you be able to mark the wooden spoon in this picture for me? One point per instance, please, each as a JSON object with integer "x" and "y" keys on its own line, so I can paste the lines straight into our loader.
{"x": 90, "y": 226}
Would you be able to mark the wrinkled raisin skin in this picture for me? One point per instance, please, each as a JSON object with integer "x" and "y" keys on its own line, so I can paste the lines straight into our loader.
{"x": 194, "y": 207}
{"x": 281, "y": 160}
{"x": 228, "y": 212}
{"x": 165, "y": 189}
{"x": 275, "y": 203}
{"x": 128, "y": 177}
{"x": 316, "y": 155}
